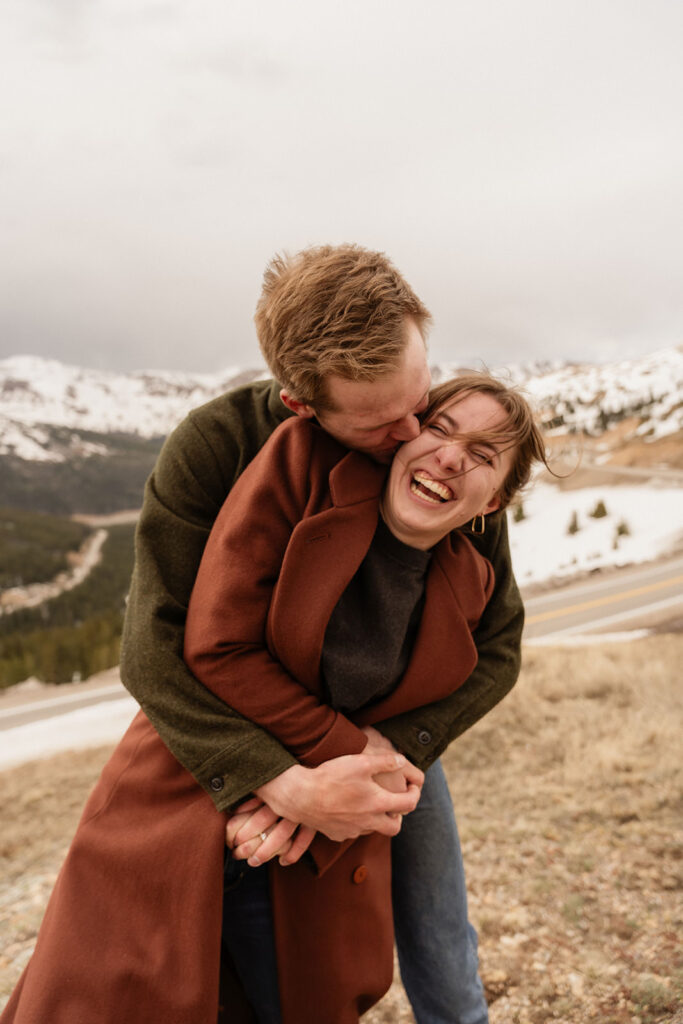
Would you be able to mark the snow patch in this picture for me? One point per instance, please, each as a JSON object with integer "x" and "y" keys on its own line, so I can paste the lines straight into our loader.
{"x": 543, "y": 549}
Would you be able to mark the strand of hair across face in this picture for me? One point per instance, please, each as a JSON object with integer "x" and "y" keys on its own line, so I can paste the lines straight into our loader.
{"x": 463, "y": 472}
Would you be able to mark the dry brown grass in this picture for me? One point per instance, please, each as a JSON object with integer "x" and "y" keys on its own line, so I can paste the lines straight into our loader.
{"x": 568, "y": 798}
{"x": 569, "y": 805}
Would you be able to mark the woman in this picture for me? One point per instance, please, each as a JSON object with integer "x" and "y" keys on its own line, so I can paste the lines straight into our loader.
{"x": 296, "y": 529}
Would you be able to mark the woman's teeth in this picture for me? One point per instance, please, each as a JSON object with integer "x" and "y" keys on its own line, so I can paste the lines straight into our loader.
{"x": 431, "y": 490}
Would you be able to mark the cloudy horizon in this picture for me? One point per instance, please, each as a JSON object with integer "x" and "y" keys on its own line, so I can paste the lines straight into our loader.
{"x": 520, "y": 161}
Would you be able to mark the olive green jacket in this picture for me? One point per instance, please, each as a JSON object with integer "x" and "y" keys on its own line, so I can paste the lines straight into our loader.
{"x": 229, "y": 755}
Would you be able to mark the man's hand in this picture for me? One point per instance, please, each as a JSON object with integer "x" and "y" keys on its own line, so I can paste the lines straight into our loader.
{"x": 341, "y": 797}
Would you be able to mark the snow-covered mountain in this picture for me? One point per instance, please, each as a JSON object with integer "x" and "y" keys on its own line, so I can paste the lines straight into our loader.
{"x": 45, "y": 406}
{"x": 50, "y": 412}
{"x": 590, "y": 397}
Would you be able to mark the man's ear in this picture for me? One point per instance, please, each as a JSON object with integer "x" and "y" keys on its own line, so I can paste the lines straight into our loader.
{"x": 300, "y": 408}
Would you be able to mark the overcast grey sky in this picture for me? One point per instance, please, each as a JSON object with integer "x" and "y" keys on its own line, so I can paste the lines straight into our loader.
{"x": 520, "y": 160}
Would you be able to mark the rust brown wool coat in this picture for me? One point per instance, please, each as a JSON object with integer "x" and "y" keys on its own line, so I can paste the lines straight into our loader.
{"x": 132, "y": 930}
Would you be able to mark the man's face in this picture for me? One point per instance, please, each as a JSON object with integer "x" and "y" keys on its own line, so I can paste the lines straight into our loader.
{"x": 375, "y": 417}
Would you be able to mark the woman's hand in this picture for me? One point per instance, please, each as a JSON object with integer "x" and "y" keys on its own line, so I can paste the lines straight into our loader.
{"x": 255, "y": 833}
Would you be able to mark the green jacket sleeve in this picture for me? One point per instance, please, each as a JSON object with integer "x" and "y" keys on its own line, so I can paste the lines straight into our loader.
{"x": 228, "y": 755}
{"x": 424, "y": 734}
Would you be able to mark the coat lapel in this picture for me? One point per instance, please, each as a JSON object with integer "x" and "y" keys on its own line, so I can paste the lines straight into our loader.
{"x": 322, "y": 556}
{"x": 454, "y": 600}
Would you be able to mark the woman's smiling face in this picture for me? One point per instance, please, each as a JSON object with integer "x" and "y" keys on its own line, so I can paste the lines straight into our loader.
{"x": 444, "y": 478}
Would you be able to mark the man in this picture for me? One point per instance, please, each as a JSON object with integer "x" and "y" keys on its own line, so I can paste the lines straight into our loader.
{"x": 343, "y": 334}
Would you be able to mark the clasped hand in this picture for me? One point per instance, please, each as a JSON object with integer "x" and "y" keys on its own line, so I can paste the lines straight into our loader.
{"x": 343, "y": 798}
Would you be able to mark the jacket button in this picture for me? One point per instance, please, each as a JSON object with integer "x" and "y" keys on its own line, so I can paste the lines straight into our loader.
{"x": 359, "y": 875}
{"x": 216, "y": 783}
{"x": 424, "y": 737}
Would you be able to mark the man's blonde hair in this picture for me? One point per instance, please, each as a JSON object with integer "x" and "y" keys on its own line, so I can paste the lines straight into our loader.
{"x": 333, "y": 310}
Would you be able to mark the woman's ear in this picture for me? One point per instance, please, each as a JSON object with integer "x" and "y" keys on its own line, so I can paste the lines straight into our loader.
{"x": 492, "y": 506}
{"x": 300, "y": 408}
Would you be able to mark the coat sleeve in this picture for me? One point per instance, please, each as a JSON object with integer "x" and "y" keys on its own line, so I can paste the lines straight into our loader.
{"x": 498, "y": 638}
{"x": 226, "y": 630}
{"x": 199, "y": 463}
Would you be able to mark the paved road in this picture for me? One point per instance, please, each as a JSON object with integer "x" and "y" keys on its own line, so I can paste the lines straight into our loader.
{"x": 622, "y": 599}
{"x": 37, "y": 706}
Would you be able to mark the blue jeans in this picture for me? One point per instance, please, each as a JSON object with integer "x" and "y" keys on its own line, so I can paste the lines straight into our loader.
{"x": 437, "y": 946}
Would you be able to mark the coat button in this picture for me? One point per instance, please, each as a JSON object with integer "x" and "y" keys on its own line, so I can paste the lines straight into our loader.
{"x": 359, "y": 875}
{"x": 216, "y": 783}
{"x": 424, "y": 737}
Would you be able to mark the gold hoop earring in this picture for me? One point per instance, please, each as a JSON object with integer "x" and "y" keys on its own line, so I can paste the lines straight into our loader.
{"x": 479, "y": 532}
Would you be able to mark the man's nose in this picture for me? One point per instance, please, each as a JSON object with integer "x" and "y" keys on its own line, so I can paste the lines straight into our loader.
{"x": 405, "y": 429}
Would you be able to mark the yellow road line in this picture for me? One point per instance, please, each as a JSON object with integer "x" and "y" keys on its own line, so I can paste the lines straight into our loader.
{"x": 598, "y": 601}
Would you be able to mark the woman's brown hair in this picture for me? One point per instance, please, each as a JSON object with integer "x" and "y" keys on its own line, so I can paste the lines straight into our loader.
{"x": 519, "y": 432}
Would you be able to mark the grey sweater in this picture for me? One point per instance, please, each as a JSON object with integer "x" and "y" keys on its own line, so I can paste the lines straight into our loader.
{"x": 372, "y": 629}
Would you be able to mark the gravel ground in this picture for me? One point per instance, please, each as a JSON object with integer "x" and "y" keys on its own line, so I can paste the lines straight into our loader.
{"x": 568, "y": 799}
